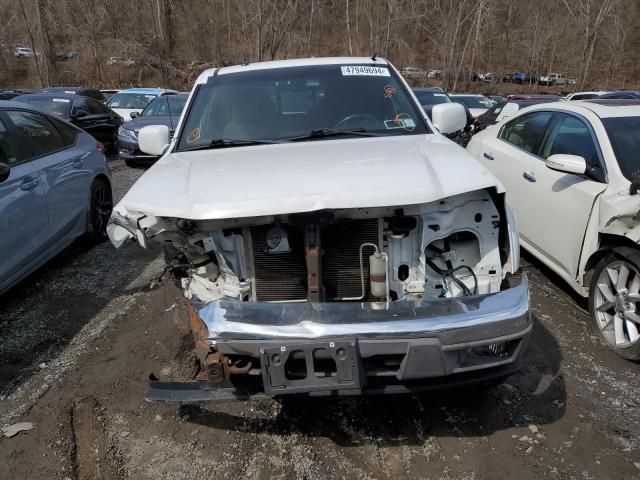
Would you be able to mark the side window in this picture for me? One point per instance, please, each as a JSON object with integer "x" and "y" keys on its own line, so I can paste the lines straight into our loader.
{"x": 68, "y": 133}
{"x": 526, "y": 132}
{"x": 35, "y": 134}
{"x": 7, "y": 150}
{"x": 571, "y": 136}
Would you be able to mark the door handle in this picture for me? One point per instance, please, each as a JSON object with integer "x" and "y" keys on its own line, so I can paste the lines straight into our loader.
{"x": 488, "y": 156}
{"x": 29, "y": 183}
{"x": 529, "y": 176}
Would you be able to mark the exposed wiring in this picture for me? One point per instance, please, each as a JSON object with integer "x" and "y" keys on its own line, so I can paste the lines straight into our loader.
{"x": 449, "y": 273}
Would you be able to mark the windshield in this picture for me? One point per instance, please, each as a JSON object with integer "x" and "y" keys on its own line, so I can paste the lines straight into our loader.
{"x": 278, "y": 104}
{"x": 163, "y": 106}
{"x": 431, "y": 98}
{"x": 53, "y": 105}
{"x": 624, "y": 134}
{"x": 135, "y": 101}
{"x": 473, "y": 102}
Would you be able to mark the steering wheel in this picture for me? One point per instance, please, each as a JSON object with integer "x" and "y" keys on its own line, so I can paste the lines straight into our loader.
{"x": 355, "y": 116}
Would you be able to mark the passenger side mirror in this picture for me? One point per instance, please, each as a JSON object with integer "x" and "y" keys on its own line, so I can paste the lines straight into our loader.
{"x": 567, "y": 163}
{"x": 449, "y": 117}
{"x": 134, "y": 115}
{"x": 80, "y": 114}
{"x": 5, "y": 170}
{"x": 154, "y": 139}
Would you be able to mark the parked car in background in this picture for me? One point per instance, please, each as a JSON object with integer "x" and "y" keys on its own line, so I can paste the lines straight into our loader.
{"x": 584, "y": 95}
{"x": 55, "y": 185}
{"x": 504, "y": 110}
{"x": 573, "y": 174}
{"x": 430, "y": 96}
{"x": 127, "y": 62}
{"x": 24, "y": 52}
{"x": 553, "y": 79}
{"x": 533, "y": 96}
{"x": 521, "y": 78}
{"x": 108, "y": 93}
{"x": 620, "y": 95}
{"x": 134, "y": 100}
{"x": 369, "y": 237}
{"x": 488, "y": 77}
{"x": 84, "y": 91}
{"x": 9, "y": 94}
{"x": 68, "y": 55}
{"x": 496, "y": 99}
{"x": 165, "y": 110}
{"x": 477, "y": 104}
{"x": 86, "y": 113}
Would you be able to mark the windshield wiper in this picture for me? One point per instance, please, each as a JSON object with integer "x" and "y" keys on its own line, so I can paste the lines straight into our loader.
{"x": 332, "y": 132}
{"x": 228, "y": 142}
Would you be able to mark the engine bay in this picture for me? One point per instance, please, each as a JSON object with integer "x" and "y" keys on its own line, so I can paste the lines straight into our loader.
{"x": 449, "y": 248}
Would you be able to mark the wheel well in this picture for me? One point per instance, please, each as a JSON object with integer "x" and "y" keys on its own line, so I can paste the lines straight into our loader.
{"x": 608, "y": 243}
{"x": 103, "y": 178}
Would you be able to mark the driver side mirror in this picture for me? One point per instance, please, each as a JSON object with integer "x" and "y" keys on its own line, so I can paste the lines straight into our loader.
{"x": 134, "y": 115}
{"x": 567, "y": 163}
{"x": 449, "y": 117}
{"x": 80, "y": 114}
{"x": 5, "y": 170}
{"x": 154, "y": 139}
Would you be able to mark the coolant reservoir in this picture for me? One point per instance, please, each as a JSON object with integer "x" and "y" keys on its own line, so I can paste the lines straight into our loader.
{"x": 378, "y": 274}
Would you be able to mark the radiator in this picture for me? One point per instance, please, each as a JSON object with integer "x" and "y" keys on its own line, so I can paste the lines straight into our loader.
{"x": 283, "y": 276}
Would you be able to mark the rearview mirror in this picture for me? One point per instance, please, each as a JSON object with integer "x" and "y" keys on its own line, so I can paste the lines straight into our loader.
{"x": 449, "y": 117}
{"x": 5, "y": 170}
{"x": 80, "y": 113}
{"x": 154, "y": 139}
{"x": 567, "y": 163}
{"x": 134, "y": 115}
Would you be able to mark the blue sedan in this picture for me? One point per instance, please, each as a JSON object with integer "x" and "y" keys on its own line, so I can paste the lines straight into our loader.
{"x": 55, "y": 185}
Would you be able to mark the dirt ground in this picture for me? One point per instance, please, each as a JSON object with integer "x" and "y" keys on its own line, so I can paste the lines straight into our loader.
{"x": 80, "y": 336}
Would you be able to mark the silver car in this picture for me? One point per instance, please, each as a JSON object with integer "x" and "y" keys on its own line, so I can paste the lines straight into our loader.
{"x": 55, "y": 185}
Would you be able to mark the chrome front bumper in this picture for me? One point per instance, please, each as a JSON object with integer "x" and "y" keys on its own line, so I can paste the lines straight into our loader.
{"x": 374, "y": 348}
{"x": 464, "y": 319}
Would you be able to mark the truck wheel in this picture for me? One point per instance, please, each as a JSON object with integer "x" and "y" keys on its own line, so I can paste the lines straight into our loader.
{"x": 614, "y": 304}
{"x": 99, "y": 210}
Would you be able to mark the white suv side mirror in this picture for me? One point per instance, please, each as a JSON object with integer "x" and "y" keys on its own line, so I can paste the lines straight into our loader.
{"x": 449, "y": 117}
{"x": 154, "y": 139}
{"x": 567, "y": 163}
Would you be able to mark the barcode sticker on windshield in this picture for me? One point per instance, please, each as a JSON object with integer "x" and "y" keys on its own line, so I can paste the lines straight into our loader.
{"x": 61, "y": 100}
{"x": 363, "y": 70}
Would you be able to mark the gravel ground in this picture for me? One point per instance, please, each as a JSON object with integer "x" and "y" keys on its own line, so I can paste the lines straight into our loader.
{"x": 79, "y": 337}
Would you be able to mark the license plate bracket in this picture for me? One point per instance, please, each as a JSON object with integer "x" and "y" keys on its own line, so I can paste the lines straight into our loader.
{"x": 311, "y": 366}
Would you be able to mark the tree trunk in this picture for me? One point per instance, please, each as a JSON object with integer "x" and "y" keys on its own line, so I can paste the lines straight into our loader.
{"x": 32, "y": 43}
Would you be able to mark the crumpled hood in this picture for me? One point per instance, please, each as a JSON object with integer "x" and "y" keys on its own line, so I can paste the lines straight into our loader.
{"x": 306, "y": 176}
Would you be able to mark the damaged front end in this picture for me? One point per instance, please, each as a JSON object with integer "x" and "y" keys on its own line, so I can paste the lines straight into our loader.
{"x": 344, "y": 301}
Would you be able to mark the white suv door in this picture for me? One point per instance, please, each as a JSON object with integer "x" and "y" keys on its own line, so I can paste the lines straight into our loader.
{"x": 552, "y": 207}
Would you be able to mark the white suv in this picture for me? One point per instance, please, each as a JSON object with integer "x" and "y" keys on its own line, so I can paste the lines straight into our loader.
{"x": 572, "y": 172}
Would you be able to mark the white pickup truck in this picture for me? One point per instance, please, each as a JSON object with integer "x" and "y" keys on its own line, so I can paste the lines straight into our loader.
{"x": 329, "y": 238}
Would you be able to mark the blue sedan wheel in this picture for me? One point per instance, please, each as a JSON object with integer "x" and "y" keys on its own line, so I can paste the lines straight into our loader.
{"x": 99, "y": 210}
